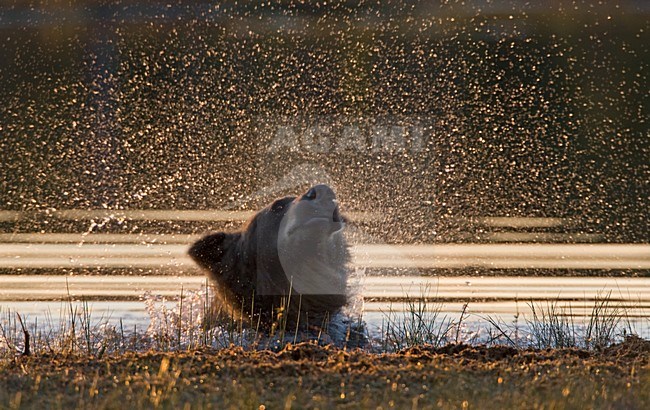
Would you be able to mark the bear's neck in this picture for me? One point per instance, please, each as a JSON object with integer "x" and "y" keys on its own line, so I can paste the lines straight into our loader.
{"x": 314, "y": 267}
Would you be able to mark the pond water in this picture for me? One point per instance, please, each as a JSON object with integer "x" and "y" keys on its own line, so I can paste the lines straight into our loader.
{"x": 121, "y": 299}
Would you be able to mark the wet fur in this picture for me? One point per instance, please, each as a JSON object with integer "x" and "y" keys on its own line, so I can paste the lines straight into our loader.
{"x": 250, "y": 279}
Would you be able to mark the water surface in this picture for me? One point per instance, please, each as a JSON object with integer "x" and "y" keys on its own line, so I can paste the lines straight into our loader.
{"x": 114, "y": 298}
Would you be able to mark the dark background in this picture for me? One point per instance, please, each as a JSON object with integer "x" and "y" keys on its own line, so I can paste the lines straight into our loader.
{"x": 537, "y": 111}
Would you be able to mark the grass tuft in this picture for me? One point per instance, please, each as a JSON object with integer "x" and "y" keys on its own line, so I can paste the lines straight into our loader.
{"x": 420, "y": 323}
{"x": 552, "y": 325}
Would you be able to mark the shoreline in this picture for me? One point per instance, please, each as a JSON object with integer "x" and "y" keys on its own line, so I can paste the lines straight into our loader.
{"x": 311, "y": 376}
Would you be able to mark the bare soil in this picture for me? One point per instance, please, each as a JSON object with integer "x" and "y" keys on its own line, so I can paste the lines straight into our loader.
{"x": 311, "y": 376}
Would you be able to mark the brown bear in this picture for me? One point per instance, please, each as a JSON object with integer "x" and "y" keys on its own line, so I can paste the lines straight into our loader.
{"x": 287, "y": 266}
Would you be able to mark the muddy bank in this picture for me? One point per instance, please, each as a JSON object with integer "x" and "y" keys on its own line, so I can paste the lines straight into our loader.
{"x": 309, "y": 376}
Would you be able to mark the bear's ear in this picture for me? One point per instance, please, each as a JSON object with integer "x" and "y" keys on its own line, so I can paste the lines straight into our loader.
{"x": 210, "y": 249}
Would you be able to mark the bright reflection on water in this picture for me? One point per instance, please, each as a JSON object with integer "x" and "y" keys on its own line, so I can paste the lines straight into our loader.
{"x": 116, "y": 299}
